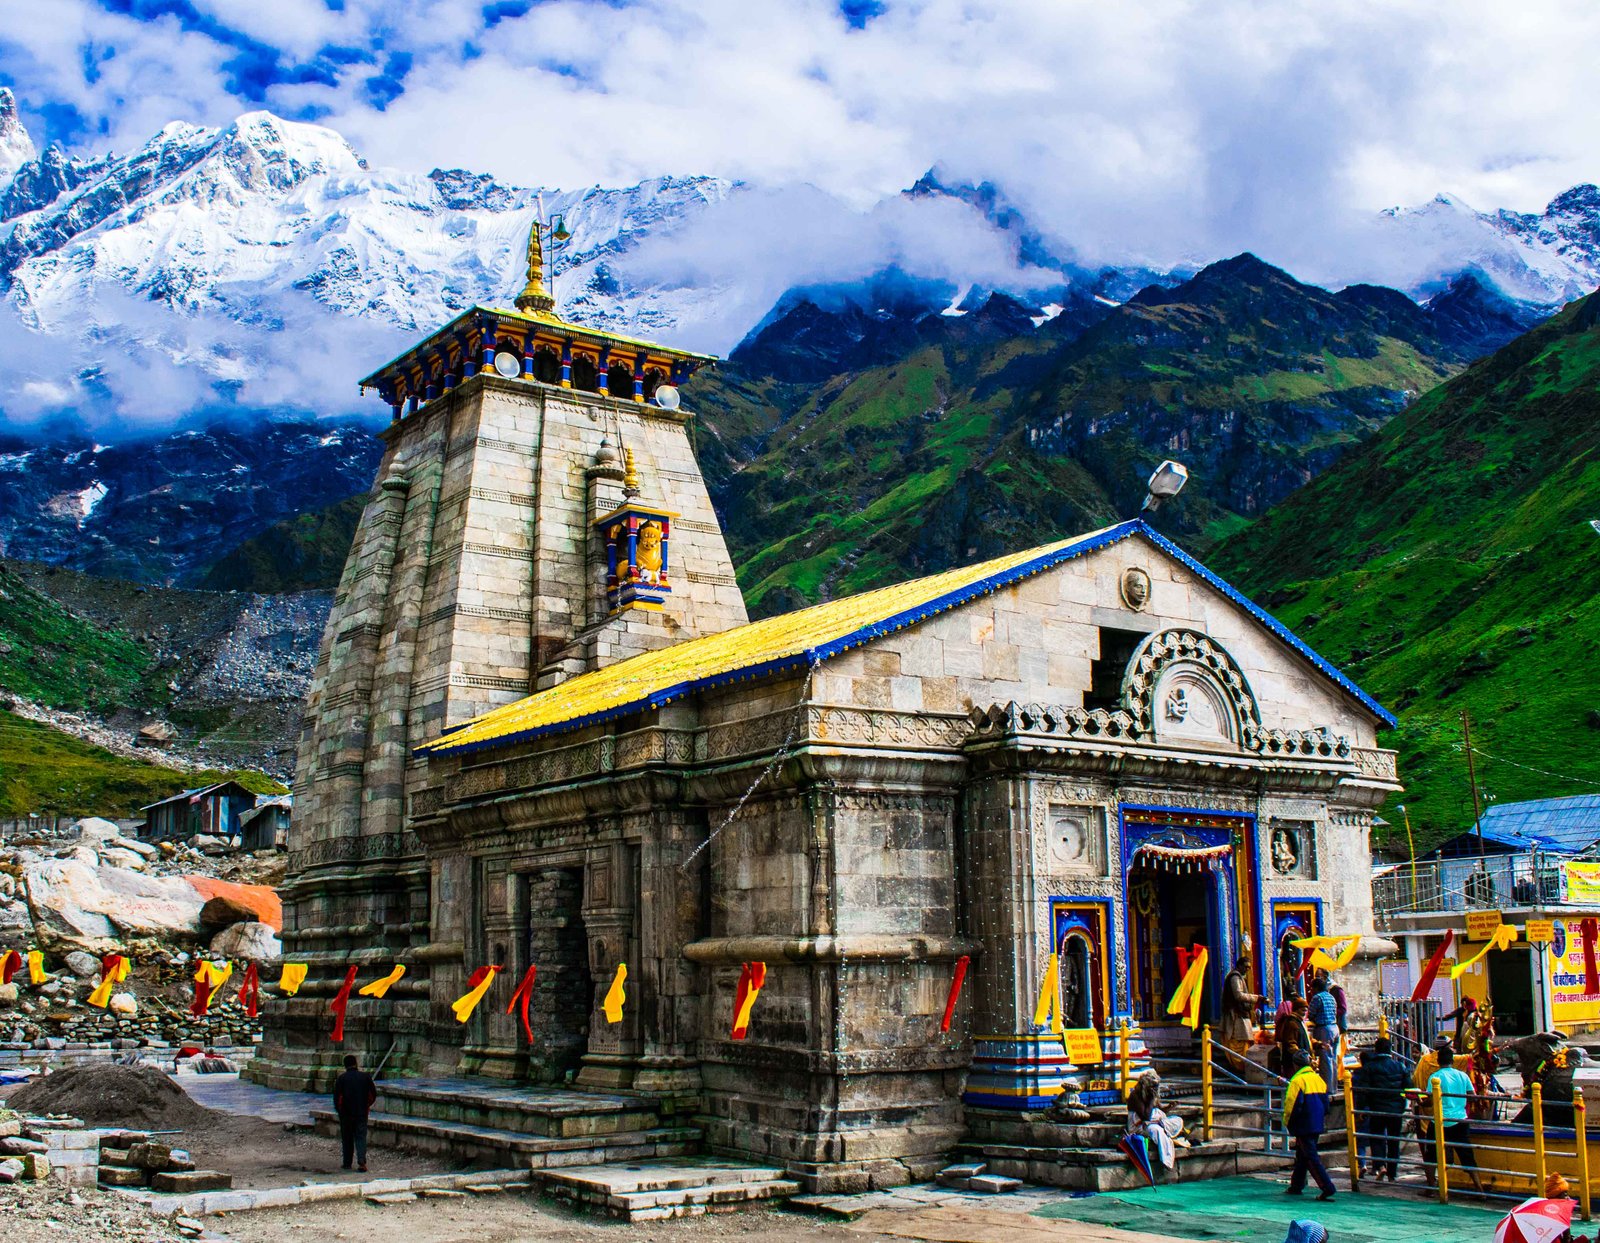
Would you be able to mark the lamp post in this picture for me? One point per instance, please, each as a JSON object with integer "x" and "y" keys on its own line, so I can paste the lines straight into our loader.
{"x": 1411, "y": 848}
{"x": 1165, "y": 481}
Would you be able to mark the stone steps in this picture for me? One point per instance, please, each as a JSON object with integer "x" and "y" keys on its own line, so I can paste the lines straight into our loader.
{"x": 670, "y": 1189}
{"x": 472, "y": 1142}
{"x": 550, "y": 1112}
{"x": 1106, "y": 1169}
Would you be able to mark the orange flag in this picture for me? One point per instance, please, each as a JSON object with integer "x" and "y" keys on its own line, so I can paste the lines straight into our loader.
{"x": 616, "y": 995}
{"x": 477, "y": 985}
{"x": 379, "y": 987}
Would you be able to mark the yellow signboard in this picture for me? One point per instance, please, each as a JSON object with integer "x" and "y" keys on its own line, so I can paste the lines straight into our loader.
{"x": 1540, "y": 931}
{"x": 1572, "y": 1007}
{"x": 1481, "y": 925}
{"x": 1583, "y": 883}
{"x": 1083, "y": 1046}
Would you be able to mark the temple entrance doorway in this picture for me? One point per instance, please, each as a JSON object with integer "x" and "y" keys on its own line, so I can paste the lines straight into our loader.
{"x": 1170, "y": 908}
{"x": 558, "y": 943}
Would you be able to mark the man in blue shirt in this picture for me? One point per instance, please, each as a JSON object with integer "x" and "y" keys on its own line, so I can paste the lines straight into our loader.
{"x": 1454, "y": 1089}
{"x": 1322, "y": 1017}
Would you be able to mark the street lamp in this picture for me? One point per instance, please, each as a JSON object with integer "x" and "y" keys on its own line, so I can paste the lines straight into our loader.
{"x": 1166, "y": 481}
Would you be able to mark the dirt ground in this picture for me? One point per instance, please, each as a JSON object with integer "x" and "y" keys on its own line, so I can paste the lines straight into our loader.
{"x": 520, "y": 1218}
{"x": 266, "y": 1154}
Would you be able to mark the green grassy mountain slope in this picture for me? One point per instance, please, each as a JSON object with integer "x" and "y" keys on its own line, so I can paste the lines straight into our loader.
{"x": 982, "y": 438}
{"x": 44, "y": 771}
{"x": 1448, "y": 563}
{"x": 303, "y": 553}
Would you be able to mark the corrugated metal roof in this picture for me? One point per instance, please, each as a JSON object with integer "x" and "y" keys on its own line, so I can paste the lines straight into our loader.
{"x": 1565, "y": 824}
{"x": 795, "y": 641}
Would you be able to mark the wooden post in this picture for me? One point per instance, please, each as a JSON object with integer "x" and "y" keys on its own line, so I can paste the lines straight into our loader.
{"x": 1207, "y": 1117}
{"x": 1537, "y": 1098}
{"x": 1580, "y": 1123}
{"x": 1352, "y": 1145}
{"x": 1441, "y": 1169}
{"x": 1124, "y": 1083}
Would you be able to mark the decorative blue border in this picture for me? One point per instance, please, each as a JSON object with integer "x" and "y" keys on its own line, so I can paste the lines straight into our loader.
{"x": 1225, "y": 911}
{"x": 1108, "y": 952}
{"x": 910, "y": 617}
{"x": 1272, "y": 938}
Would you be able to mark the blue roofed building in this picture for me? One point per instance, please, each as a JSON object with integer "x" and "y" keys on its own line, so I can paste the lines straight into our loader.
{"x": 1535, "y": 862}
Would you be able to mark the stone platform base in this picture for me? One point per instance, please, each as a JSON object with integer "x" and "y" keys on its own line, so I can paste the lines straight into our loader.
{"x": 666, "y": 1189}
{"x": 539, "y": 1128}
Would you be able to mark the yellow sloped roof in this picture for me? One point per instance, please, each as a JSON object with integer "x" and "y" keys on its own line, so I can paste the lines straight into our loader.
{"x": 790, "y": 641}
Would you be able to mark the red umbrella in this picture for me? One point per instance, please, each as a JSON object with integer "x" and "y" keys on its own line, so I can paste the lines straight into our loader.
{"x": 1535, "y": 1221}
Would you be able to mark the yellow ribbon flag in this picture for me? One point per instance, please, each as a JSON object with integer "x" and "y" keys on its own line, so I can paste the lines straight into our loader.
{"x": 1046, "y": 1011}
{"x": 294, "y": 975}
{"x": 36, "y": 973}
{"x": 210, "y": 973}
{"x": 102, "y": 994}
{"x": 616, "y": 995}
{"x": 379, "y": 987}
{"x": 124, "y": 968}
{"x": 1504, "y": 936}
{"x": 1187, "y": 996}
{"x": 1320, "y": 946}
{"x": 479, "y": 984}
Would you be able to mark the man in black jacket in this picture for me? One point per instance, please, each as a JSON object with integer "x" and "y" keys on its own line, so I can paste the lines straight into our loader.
{"x": 354, "y": 1094}
{"x": 1380, "y": 1084}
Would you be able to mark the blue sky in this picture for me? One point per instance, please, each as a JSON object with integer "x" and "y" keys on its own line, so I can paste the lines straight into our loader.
{"x": 1230, "y": 119}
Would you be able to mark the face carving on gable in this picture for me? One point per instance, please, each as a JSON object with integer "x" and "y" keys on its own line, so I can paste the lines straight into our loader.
{"x": 1135, "y": 588}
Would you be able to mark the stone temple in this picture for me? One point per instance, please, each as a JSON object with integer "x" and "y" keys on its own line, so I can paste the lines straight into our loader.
{"x": 542, "y": 730}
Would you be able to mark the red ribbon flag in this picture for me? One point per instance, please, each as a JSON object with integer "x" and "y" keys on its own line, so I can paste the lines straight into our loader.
{"x": 9, "y": 965}
{"x": 522, "y": 997}
{"x": 202, "y": 999}
{"x": 340, "y": 1002}
{"x": 962, "y": 964}
{"x": 1430, "y": 972}
{"x": 250, "y": 990}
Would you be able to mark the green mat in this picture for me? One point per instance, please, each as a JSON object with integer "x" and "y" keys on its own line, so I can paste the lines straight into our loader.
{"x": 1255, "y": 1210}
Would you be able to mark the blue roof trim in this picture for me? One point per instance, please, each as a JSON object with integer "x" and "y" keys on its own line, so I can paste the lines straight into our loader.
{"x": 910, "y": 617}
{"x": 1270, "y": 622}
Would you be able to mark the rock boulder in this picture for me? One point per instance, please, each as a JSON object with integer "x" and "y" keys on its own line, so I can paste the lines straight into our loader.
{"x": 80, "y": 904}
{"x": 251, "y": 941}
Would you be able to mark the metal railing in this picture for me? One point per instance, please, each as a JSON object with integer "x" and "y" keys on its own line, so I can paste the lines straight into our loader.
{"x": 1537, "y": 878}
{"x": 1520, "y": 1156}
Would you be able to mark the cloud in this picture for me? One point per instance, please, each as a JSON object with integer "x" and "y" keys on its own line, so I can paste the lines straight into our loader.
{"x": 143, "y": 367}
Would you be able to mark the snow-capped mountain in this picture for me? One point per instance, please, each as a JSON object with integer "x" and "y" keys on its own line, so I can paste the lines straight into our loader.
{"x": 1546, "y": 258}
{"x": 16, "y": 147}
{"x": 230, "y": 220}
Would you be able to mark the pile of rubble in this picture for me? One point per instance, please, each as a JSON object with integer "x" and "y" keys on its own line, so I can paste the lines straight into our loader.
{"x": 135, "y": 1159}
{"x": 161, "y": 906}
{"x": 24, "y": 1153}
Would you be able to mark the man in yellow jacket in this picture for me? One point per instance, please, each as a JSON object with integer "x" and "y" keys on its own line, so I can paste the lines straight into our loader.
{"x": 1305, "y": 1106}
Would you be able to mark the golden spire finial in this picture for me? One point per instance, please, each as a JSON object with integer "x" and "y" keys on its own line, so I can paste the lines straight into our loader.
{"x": 630, "y": 475}
{"x": 534, "y": 299}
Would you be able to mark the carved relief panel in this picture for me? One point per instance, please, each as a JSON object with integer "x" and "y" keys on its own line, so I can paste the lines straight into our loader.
{"x": 1292, "y": 849}
{"x": 1075, "y": 839}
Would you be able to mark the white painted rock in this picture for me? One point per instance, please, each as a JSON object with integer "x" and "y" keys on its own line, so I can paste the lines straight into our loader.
{"x": 113, "y": 857}
{"x": 125, "y": 1005}
{"x": 253, "y": 942}
{"x": 93, "y": 830}
{"x": 79, "y": 904}
{"x": 83, "y": 965}
{"x": 145, "y": 849}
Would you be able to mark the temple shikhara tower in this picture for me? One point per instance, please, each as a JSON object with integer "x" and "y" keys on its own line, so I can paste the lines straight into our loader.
{"x": 543, "y": 732}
